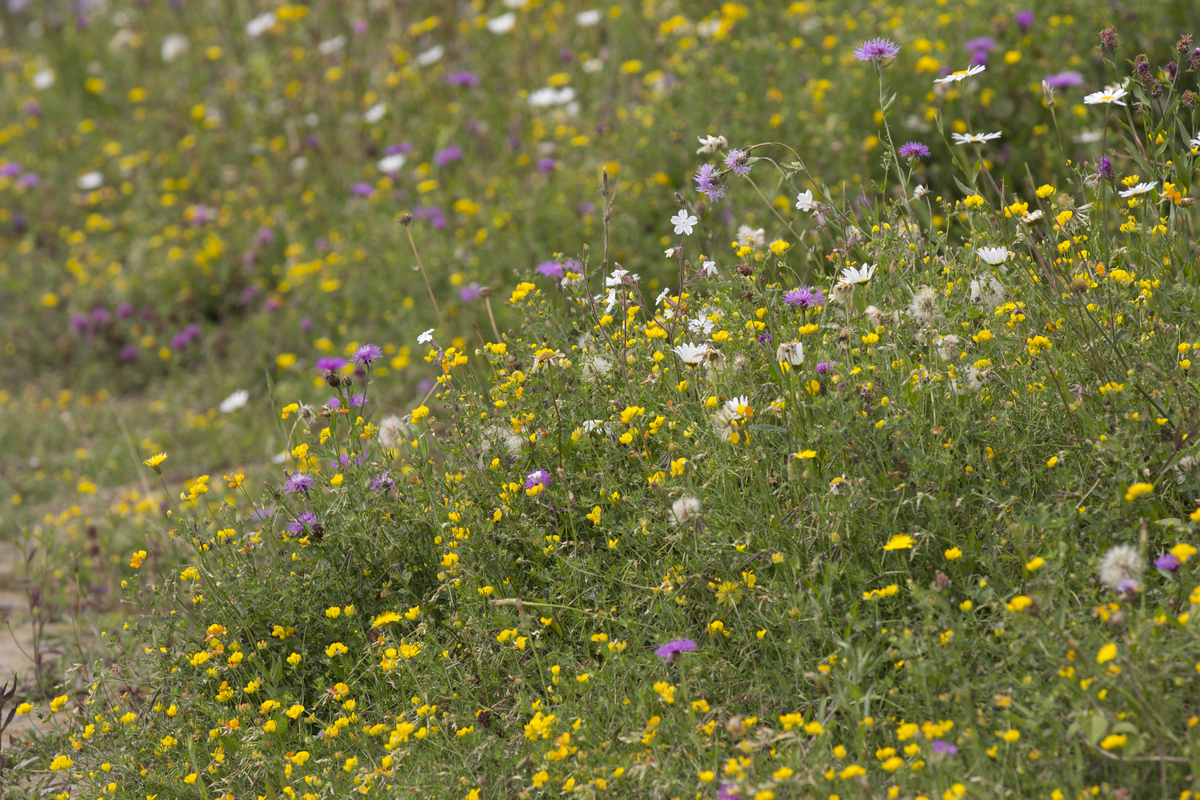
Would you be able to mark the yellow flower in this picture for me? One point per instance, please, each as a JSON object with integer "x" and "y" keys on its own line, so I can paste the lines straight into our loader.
{"x": 155, "y": 462}
{"x": 1137, "y": 490}
{"x": 953, "y": 554}
{"x": 595, "y": 515}
{"x": 1183, "y": 551}
{"x": 1107, "y": 653}
{"x": 385, "y": 618}
{"x": 1019, "y": 603}
{"x": 899, "y": 542}
{"x": 1011, "y": 735}
{"x": 419, "y": 413}
{"x": 1035, "y": 564}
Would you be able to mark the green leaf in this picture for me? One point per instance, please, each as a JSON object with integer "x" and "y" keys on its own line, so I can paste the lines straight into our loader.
{"x": 1094, "y": 728}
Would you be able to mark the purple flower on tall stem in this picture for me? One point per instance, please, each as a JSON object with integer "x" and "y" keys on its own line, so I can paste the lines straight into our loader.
{"x": 447, "y": 155}
{"x": 304, "y": 520}
{"x": 944, "y": 748}
{"x": 362, "y": 189}
{"x": 1061, "y": 80}
{"x": 877, "y": 50}
{"x": 706, "y": 183}
{"x": 366, "y": 354}
{"x": 1105, "y": 171}
{"x": 298, "y": 482}
{"x": 805, "y": 297}
{"x": 469, "y": 292}
{"x": 671, "y": 650}
{"x": 738, "y": 162}
{"x": 1024, "y": 20}
{"x": 539, "y": 477}
{"x": 825, "y": 366}
{"x": 463, "y": 78}
{"x": 551, "y": 269}
{"x": 357, "y": 400}
{"x": 913, "y": 150}
{"x": 1167, "y": 562}
{"x": 330, "y": 362}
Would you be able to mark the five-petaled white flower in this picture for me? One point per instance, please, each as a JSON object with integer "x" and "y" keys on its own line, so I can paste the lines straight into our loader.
{"x": 993, "y": 255}
{"x": 234, "y": 401}
{"x": 616, "y": 278}
{"x": 861, "y": 274}
{"x": 690, "y": 353}
{"x": 967, "y": 138}
{"x": 1111, "y": 94}
{"x": 426, "y": 337}
{"x": 708, "y": 269}
{"x": 663, "y": 295}
{"x": 961, "y": 75}
{"x": 804, "y": 200}
{"x": 683, "y": 222}
{"x": 1141, "y": 188}
{"x": 710, "y": 144}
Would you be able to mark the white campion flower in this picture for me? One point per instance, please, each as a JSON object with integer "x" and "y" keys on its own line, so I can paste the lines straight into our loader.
{"x": 701, "y": 325}
{"x": 710, "y": 144}
{"x": 374, "y": 113}
{"x": 708, "y": 269}
{"x": 690, "y": 353}
{"x": 804, "y": 201}
{"x": 1109, "y": 94}
{"x": 260, "y": 25}
{"x": 993, "y": 255}
{"x": 968, "y": 138}
{"x": 426, "y": 337}
{"x": 790, "y": 353}
{"x": 549, "y": 96}
{"x": 860, "y": 274}
{"x": 391, "y": 164}
{"x": 502, "y": 24}
{"x": 616, "y": 278}
{"x": 174, "y": 46}
{"x": 1141, "y": 188}
{"x": 431, "y": 56}
{"x": 961, "y": 75}
{"x": 234, "y": 401}
{"x": 663, "y": 295}
{"x": 43, "y": 79}
{"x": 586, "y": 19}
{"x": 683, "y": 222}
{"x": 90, "y": 181}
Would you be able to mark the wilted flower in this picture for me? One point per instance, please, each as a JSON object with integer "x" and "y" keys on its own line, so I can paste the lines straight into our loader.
{"x": 924, "y": 305}
{"x": 711, "y": 144}
{"x": 1121, "y": 568}
{"x": 790, "y": 353}
{"x": 684, "y": 510}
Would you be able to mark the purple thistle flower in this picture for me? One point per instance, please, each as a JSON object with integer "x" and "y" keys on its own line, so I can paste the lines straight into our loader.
{"x": 463, "y": 78}
{"x": 545, "y": 164}
{"x": 398, "y": 149}
{"x": 944, "y": 748}
{"x": 764, "y": 338}
{"x": 357, "y": 400}
{"x": 128, "y": 353}
{"x": 298, "y": 482}
{"x": 28, "y": 180}
{"x": 539, "y": 477}
{"x": 551, "y": 269}
{"x": 330, "y": 362}
{"x": 469, "y": 292}
{"x": 738, "y": 162}
{"x": 1025, "y": 20}
{"x": 706, "y": 184}
{"x": 825, "y": 366}
{"x": 366, "y": 354}
{"x": 445, "y": 156}
{"x": 362, "y": 189}
{"x": 304, "y": 520}
{"x": 671, "y": 650}
{"x": 11, "y": 170}
{"x": 1167, "y": 562}
{"x": 383, "y": 482}
{"x": 805, "y": 297}
{"x": 876, "y": 50}
{"x": 1061, "y": 80}
{"x": 914, "y": 150}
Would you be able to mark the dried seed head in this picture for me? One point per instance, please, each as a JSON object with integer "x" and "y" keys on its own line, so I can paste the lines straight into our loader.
{"x": 1108, "y": 39}
{"x": 1184, "y": 44}
{"x": 405, "y": 219}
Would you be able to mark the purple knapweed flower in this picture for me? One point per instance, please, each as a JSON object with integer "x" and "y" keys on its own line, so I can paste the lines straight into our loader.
{"x": 469, "y": 292}
{"x": 551, "y": 269}
{"x": 363, "y": 189}
{"x": 305, "y": 520}
{"x": 539, "y": 477}
{"x": 463, "y": 78}
{"x": 545, "y": 164}
{"x": 360, "y": 26}
{"x": 1167, "y": 562}
{"x": 128, "y": 353}
{"x": 100, "y": 315}
{"x": 944, "y": 748}
{"x": 825, "y": 366}
{"x": 1061, "y": 80}
{"x": 357, "y": 400}
{"x": 984, "y": 43}
{"x": 671, "y": 650}
{"x": 706, "y": 183}
{"x": 1025, "y": 20}
{"x": 876, "y": 50}
{"x": 403, "y": 148}
{"x": 298, "y": 482}
{"x": 366, "y": 354}
{"x": 805, "y": 297}
{"x": 1129, "y": 586}
{"x": 383, "y": 482}
{"x": 738, "y": 162}
{"x": 1105, "y": 171}
{"x": 447, "y": 155}
{"x": 728, "y": 791}
{"x": 913, "y": 150}
{"x": 78, "y": 323}
{"x": 11, "y": 170}
{"x": 28, "y": 180}
{"x": 764, "y": 338}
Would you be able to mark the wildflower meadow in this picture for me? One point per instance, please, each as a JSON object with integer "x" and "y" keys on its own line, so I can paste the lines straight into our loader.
{"x": 523, "y": 399}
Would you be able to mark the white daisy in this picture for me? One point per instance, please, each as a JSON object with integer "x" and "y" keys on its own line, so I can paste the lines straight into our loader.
{"x": 234, "y": 401}
{"x": 502, "y": 24}
{"x": 683, "y": 222}
{"x": 804, "y": 201}
{"x": 961, "y": 75}
{"x": 692, "y": 354}
{"x": 968, "y": 138}
{"x": 1110, "y": 94}
{"x": 860, "y": 274}
{"x": 993, "y": 255}
{"x": 1141, "y": 188}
